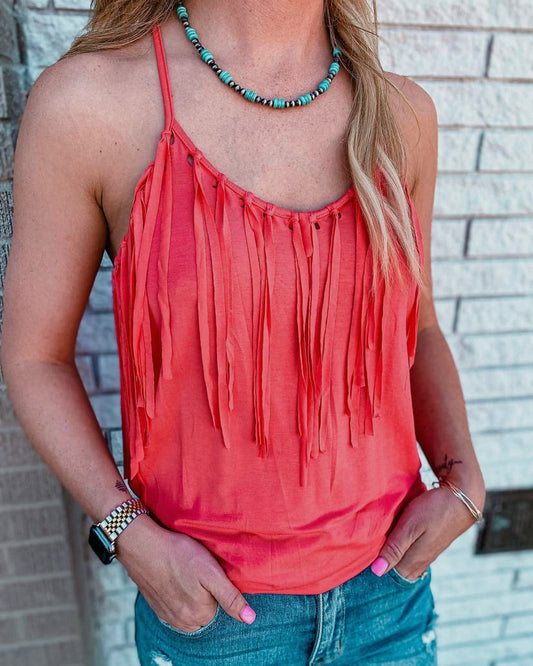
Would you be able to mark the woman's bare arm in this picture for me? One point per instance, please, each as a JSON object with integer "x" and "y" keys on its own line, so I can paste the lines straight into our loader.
{"x": 433, "y": 520}
{"x": 59, "y": 238}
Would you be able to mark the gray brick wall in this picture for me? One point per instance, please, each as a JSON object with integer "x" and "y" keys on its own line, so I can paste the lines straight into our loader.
{"x": 40, "y": 618}
{"x": 474, "y": 58}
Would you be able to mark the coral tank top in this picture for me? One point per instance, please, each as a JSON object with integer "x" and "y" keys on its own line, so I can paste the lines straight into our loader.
{"x": 265, "y": 397}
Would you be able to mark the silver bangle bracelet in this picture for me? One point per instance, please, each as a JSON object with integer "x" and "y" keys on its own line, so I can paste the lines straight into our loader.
{"x": 476, "y": 513}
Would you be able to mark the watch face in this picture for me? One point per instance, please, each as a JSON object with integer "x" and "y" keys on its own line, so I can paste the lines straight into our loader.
{"x": 101, "y": 544}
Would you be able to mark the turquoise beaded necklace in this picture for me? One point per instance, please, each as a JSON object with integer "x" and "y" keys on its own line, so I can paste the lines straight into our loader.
{"x": 250, "y": 95}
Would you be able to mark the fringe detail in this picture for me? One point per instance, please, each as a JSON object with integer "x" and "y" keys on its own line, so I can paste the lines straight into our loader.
{"x": 261, "y": 256}
{"x": 413, "y": 315}
{"x": 132, "y": 310}
{"x": 316, "y": 416}
{"x": 366, "y": 348}
{"x": 315, "y": 338}
{"x": 213, "y": 266}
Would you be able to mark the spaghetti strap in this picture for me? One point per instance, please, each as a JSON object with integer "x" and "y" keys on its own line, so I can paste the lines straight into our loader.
{"x": 163, "y": 75}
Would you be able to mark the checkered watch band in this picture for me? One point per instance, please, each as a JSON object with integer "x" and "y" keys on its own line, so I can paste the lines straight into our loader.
{"x": 121, "y": 516}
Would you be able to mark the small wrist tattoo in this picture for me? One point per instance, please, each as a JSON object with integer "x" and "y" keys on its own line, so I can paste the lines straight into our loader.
{"x": 120, "y": 485}
{"x": 446, "y": 467}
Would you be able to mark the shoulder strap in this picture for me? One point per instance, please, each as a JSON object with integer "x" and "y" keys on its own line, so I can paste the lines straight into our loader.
{"x": 163, "y": 75}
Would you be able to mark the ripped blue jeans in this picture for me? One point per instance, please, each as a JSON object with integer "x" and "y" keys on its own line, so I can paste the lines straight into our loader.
{"x": 365, "y": 621}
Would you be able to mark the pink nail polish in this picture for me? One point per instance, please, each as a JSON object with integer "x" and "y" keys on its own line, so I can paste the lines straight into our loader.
{"x": 379, "y": 566}
{"x": 247, "y": 614}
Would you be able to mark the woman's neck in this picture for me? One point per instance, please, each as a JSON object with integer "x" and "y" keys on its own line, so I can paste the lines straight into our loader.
{"x": 284, "y": 36}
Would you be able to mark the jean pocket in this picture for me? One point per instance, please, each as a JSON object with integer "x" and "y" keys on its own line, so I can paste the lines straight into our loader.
{"x": 404, "y": 582}
{"x": 197, "y": 632}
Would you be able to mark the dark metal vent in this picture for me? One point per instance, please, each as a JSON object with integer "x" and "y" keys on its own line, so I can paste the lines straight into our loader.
{"x": 508, "y": 521}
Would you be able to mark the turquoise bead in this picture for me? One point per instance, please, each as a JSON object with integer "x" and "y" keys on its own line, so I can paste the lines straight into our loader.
{"x": 334, "y": 69}
{"x": 305, "y": 99}
{"x": 250, "y": 95}
{"x": 337, "y": 51}
{"x": 225, "y": 76}
{"x": 324, "y": 85}
{"x": 182, "y": 12}
{"x": 279, "y": 102}
{"x": 191, "y": 33}
{"x": 206, "y": 55}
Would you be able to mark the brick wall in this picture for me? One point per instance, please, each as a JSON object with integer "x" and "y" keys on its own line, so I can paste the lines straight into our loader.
{"x": 474, "y": 58}
{"x": 39, "y": 591}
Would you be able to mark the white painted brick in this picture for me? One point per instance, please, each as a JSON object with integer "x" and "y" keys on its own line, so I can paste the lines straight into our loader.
{"x": 475, "y": 653}
{"x": 466, "y": 586}
{"x": 507, "y": 150}
{"x": 483, "y": 384}
{"x": 467, "y": 632}
{"x": 447, "y": 238}
{"x": 504, "y": 447}
{"x": 72, "y": 4}
{"x": 485, "y": 606}
{"x": 481, "y": 103}
{"x": 85, "y": 368}
{"x": 110, "y": 633}
{"x": 445, "y": 308}
{"x": 500, "y": 415}
{"x": 474, "y": 351}
{"x": 470, "y": 13}
{"x": 96, "y": 334}
{"x": 107, "y": 410}
{"x": 100, "y": 298}
{"x": 479, "y": 195}
{"x": 48, "y": 36}
{"x": 108, "y": 372}
{"x": 519, "y": 625}
{"x": 106, "y": 261}
{"x": 36, "y": 4}
{"x": 130, "y": 630}
{"x": 516, "y": 474}
{"x": 457, "y": 563}
{"x": 458, "y": 149}
{"x": 525, "y": 580}
{"x": 511, "y": 237}
{"x": 512, "y": 56}
{"x": 495, "y": 314}
{"x": 481, "y": 277}
{"x": 3, "y": 97}
{"x": 514, "y": 661}
{"x": 416, "y": 52}
{"x": 123, "y": 656}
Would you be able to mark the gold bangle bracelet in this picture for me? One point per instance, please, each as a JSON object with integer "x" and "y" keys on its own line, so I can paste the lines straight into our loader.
{"x": 476, "y": 513}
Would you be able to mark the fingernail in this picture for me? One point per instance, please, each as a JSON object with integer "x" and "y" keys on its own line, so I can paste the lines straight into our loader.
{"x": 247, "y": 615}
{"x": 379, "y": 566}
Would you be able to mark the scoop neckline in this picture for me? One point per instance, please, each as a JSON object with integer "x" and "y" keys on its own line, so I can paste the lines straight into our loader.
{"x": 268, "y": 206}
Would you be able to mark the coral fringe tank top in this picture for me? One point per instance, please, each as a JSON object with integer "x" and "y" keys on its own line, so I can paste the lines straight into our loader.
{"x": 265, "y": 397}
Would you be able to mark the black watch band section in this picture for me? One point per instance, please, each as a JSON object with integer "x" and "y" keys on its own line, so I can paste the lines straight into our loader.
{"x": 102, "y": 536}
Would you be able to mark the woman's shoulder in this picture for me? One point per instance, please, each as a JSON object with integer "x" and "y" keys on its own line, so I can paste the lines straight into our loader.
{"x": 89, "y": 84}
{"x": 416, "y": 116}
{"x": 98, "y": 104}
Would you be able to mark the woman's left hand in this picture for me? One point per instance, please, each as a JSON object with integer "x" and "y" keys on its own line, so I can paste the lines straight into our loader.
{"x": 426, "y": 527}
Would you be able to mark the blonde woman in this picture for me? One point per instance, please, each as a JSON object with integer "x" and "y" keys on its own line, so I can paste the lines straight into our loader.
{"x": 265, "y": 191}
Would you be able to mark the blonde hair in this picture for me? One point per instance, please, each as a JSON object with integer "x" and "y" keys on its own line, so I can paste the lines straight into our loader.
{"x": 375, "y": 149}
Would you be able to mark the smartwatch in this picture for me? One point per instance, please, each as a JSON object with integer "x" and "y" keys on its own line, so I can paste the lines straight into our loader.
{"x": 102, "y": 535}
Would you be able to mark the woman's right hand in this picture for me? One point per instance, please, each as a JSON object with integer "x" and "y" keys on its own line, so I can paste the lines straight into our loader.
{"x": 178, "y": 576}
